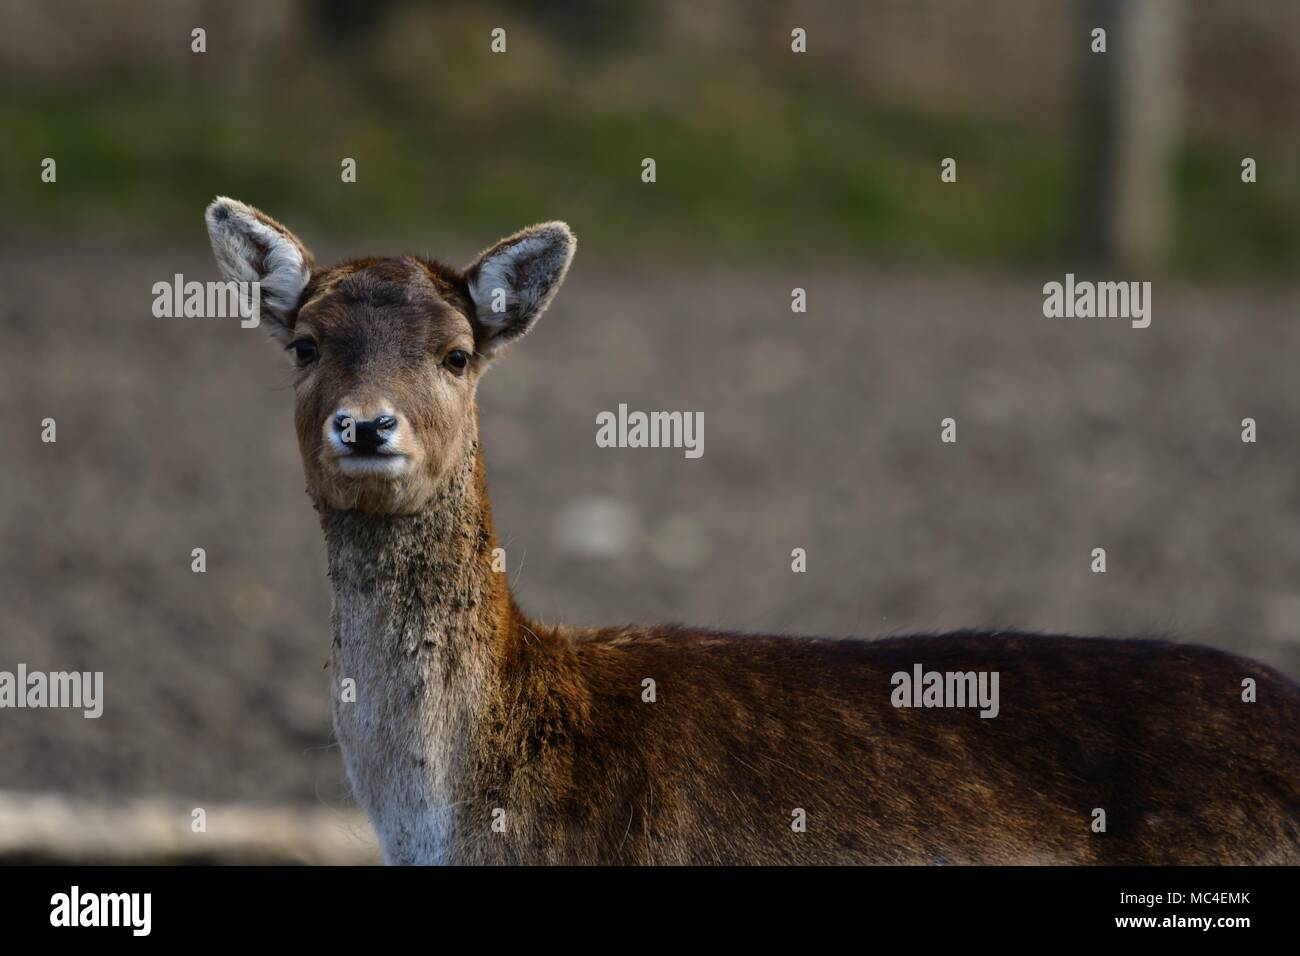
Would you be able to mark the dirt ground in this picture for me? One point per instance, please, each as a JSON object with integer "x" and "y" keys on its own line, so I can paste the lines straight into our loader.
{"x": 821, "y": 432}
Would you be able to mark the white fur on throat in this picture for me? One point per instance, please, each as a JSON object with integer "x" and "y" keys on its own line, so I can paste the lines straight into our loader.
{"x": 412, "y": 806}
{"x": 408, "y": 640}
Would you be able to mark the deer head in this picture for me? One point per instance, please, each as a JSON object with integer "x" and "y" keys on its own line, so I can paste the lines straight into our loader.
{"x": 388, "y": 351}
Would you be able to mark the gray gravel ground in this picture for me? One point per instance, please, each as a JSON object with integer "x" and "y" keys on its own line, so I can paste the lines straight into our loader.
{"x": 821, "y": 432}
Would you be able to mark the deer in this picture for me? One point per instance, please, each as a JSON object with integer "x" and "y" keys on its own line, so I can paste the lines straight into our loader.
{"x": 474, "y": 734}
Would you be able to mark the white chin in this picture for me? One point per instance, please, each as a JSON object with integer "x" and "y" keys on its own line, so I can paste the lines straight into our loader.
{"x": 383, "y": 466}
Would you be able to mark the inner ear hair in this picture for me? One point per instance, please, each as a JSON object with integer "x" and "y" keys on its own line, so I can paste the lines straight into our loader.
{"x": 250, "y": 246}
{"x": 512, "y": 282}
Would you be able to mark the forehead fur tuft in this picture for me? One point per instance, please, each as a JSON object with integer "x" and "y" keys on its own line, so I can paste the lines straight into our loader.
{"x": 393, "y": 281}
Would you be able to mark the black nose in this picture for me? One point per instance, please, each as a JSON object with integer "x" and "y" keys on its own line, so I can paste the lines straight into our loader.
{"x": 367, "y": 437}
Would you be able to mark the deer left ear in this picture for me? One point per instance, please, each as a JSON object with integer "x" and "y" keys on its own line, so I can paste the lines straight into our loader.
{"x": 250, "y": 246}
{"x": 513, "y": 282}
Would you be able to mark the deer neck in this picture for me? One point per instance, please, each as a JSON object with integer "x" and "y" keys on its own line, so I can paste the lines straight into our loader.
{"x": 422, "y": 624}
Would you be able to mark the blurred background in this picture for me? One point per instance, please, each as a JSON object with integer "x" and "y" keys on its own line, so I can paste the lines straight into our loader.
{"x": 775, "y": 170}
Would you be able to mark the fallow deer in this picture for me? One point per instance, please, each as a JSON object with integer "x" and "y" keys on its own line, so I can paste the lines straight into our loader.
{"x": 477, "y": 735}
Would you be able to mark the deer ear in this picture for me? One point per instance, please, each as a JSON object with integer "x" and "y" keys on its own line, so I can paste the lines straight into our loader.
{"x": 513, "y": 282}
{"x": 250, "y": 246}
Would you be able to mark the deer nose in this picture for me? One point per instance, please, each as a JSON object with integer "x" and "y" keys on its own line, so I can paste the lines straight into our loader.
{"x": 364, "y": 437}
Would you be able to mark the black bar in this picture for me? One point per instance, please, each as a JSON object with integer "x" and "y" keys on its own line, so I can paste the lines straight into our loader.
{"x": 551, "y": 906}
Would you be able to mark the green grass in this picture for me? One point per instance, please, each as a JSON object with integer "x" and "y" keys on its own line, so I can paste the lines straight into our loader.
{"x": 753, "y": 167}
{"x": 1226, "y": 226}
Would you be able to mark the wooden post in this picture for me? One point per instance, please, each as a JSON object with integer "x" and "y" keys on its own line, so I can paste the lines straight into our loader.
{"x": 1132, "y": 108}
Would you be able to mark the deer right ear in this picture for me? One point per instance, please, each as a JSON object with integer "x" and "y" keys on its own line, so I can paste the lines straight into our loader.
{"x": 514, "y": 281}
{"x": 250, "y": 246}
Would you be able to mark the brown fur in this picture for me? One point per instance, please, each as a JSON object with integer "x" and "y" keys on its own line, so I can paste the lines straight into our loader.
{"x": 468, "y": 711}
{"x": 747, "y": 728}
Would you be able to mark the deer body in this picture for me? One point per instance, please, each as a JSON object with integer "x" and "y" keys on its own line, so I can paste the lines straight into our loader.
{"x": 472, "y": 734}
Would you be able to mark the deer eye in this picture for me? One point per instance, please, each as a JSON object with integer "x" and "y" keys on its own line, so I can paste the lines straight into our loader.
{"x": 457, "y": 360}
{"x": 304, "y": 351}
